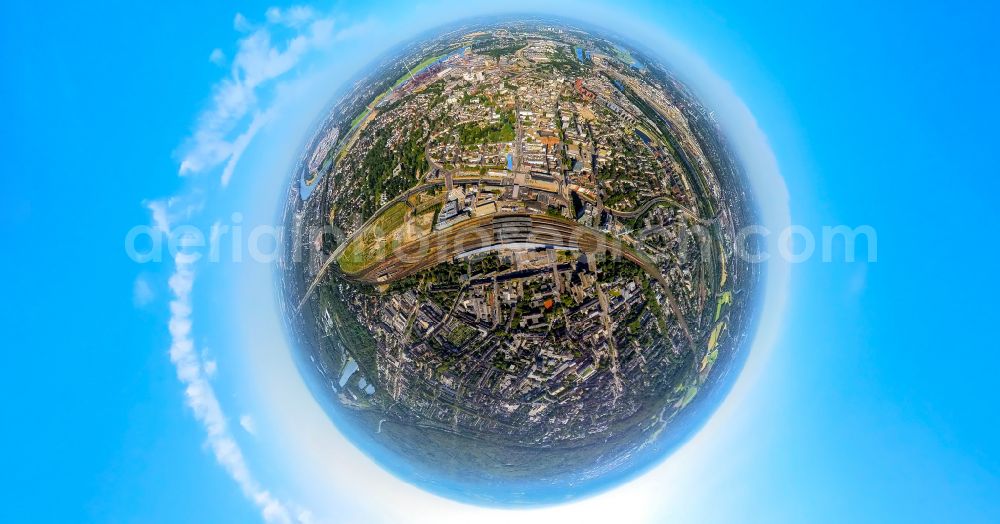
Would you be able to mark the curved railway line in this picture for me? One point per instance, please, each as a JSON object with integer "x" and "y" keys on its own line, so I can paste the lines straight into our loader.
{"x": 495, "y": 231}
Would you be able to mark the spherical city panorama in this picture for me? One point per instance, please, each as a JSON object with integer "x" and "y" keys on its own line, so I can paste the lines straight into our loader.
{"x": 510, "y": 269}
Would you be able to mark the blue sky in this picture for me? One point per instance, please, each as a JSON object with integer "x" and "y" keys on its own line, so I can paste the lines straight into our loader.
{"x": 876, "y": 402}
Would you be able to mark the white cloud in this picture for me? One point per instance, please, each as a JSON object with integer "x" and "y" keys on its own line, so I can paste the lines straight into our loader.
{"x": 248, "y": 424}
{"x": 217, "y": 57}
{"x": 295, "y": 16}
{"x": 241, "y": 24}
{"x": 200, "y": 396}
{"x": 167, "y": 211}
{"x": 158, "y": 210}
{"x": 142, "y": 291}
{"x": 194, "y": 370}
{"x": 241, "y": 103}
{"x": 210, "y": 367}
{"x": 254, "y": 91}
{"x": 240, "y": 144}
{"x": 214, "y": 235}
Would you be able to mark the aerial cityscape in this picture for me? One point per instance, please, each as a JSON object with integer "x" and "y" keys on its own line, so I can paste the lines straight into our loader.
{"x": 522, "y": 262}
{"x": 510, "y": 261}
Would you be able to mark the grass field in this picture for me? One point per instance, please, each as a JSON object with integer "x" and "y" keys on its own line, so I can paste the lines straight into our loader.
{"x": 722, "y": 262}
{"x": 624, "y": 55}
{"x": 359, "y": 118}
{"x": 376, "y": 242}
{"x": 709, "y": 360}
{"x": 461, "y": 334}
{"x": 713, "y": 339}
{"x": 689, "y": 394}
{"x": 726, "y": 298}
{"x": 427, "y": 61}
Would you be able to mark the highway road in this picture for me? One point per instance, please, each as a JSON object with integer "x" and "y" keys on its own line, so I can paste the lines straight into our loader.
{"x": 660, "y": 200}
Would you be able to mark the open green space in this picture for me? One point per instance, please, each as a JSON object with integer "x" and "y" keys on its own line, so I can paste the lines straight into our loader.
{"x": 502, "y": 131}
{"x": 713, "y": 339}
{"x": 461, "y": 334}
{"x": 624, "y": 55}
{"x": 361, "y": 116}
{"x": 426, "y": 62}
{"x": 374, "y": 243}
{"x": 725, "y": 299}
{"x": 689, "y": 394}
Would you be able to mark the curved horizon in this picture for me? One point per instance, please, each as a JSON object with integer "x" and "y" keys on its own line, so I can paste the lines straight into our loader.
{"x": 751, "y": 147}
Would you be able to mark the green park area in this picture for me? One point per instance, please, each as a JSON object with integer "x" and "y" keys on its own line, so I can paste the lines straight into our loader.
{"x": 724, "y": 300}
{"x": 501, "y": 131}
{"x": 713, "y": 338}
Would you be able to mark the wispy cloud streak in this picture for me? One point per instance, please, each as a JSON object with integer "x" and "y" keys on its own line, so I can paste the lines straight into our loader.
{"x": 240, "y": 105}
{"x": 200, "y": 395}
{"x": 243, "y": 103}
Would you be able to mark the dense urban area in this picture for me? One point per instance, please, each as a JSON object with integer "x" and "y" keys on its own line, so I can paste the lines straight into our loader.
{"x": 510, "y": 256}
